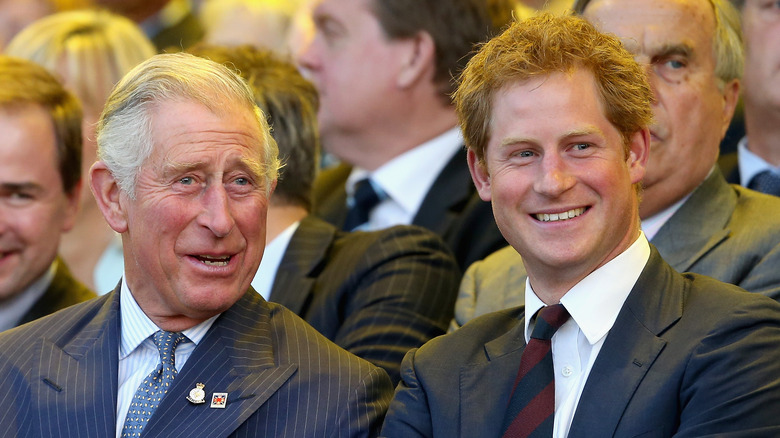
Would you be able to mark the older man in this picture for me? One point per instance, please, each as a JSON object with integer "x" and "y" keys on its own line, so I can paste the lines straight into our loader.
{"x": 614, "y": 341}
{"x": 698, "y": 222}
{"x": 40, "y": 179}
{"x": 756, "y": 164}
{"x": 377, "y": 294}
{"x": 184, "y": 346}
{"x": 384, "y": 72}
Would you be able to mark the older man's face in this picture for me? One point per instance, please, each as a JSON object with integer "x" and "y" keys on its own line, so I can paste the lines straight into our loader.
{"x": 195, "y": 233}
{"x": 674, "y": 38}
{"x": 559, "y": 177}
{"x": 761, "y": 26}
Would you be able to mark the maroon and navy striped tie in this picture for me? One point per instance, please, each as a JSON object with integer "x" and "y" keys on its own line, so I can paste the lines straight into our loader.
{"x": 531, "y": 408}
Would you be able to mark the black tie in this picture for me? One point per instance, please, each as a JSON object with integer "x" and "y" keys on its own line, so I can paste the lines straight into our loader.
{"x": 364, "y": 201}
{"x": 766, "y": 182}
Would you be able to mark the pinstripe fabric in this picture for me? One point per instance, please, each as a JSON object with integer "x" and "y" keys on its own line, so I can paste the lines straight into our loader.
{"x": 283, "y": 379}
{"x": 376, "y": 294}
{"x": 137, "y": 353}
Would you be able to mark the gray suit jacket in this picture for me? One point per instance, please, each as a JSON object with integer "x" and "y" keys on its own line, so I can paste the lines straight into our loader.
{"x": 724, "y": 231}
{"x": 283, "y": 379}
{"x": 688, "y": 356}
{"x": 376, "y": 294}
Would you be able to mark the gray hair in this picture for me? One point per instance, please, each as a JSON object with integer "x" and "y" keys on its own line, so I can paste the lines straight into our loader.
{"x": 124, "y": 132}
{"x": 727, "y": 43}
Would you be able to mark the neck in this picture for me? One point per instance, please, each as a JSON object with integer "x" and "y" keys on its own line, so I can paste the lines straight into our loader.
{"x": 763, "y": 128}
{"x": 372, "y": 148}
{"x": 282, "y": 216}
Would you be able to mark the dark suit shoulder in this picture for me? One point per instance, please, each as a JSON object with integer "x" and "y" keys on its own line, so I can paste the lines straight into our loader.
{"x": 58, "y": 328}
{"x": 466, "y": 345}
{"x": 64, "y": 291}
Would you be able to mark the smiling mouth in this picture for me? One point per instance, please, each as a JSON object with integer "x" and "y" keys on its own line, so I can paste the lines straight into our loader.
{"x": 213, "y": 261}
{"x": 555, "y": 217}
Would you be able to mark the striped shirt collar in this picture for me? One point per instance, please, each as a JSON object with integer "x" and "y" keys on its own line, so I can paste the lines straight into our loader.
{"x": 136, "y": 327}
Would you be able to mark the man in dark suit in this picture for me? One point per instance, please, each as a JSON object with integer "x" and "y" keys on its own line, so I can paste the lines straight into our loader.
{"x": 622, "y": 345}
{"x": 384, "y": 72}
{"x": 696, "y": 220}
{"x": 756, "y": 163}
{"x": 184, "y": 346}
{"x": 376, "y": 294}
{"x": 40, "y": 179}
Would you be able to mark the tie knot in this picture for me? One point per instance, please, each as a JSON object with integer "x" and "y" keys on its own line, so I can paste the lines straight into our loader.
{"x": 365, "y": 196}
{"x": 548, "y": 320}
{"x": 166, "y": 343}
{"x": 363, "y": 201}
{"x": 766, "y": 182}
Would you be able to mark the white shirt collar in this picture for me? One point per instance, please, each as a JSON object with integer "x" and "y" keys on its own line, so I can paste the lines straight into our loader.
{"x": 272, "y": 257}
{"x": 750, "y": 164}
{"x": 407, "y": 178}
{"x": 137, "y": 327}
{"x": 594, "y": 302}
{"x": 13, "y": 310}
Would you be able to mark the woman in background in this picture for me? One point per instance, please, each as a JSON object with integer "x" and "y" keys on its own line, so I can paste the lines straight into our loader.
{"x": 89, "y": 51}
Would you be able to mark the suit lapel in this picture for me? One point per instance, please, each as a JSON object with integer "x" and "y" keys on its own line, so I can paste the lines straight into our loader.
{"x": 235, "y": 357}
{"x": 447, "y": 197}
{"x": 300, "y": 264}
{"x": 80, "y": 379}
{"x": 630, "y": 349}
{"x": 481, "y": 415}
{"x": 699, "y": 225}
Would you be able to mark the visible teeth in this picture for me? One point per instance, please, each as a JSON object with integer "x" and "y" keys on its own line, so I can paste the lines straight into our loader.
{"x": 214, "y": 261}
{"x": 554, "y": 217}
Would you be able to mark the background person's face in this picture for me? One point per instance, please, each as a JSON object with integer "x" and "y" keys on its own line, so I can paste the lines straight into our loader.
{"x": 674, "y": 38}
{"x": 34, "y": 209}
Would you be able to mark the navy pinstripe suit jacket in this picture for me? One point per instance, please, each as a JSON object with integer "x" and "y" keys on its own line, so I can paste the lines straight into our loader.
{"x": 376, "y": 294}
{"x": 59, "y": 378}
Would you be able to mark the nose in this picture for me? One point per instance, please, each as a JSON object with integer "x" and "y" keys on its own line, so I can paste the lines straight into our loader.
{"x": 306, "y": 55}
{"x": 554, "y": 178}
{"x": 216, "y": 214}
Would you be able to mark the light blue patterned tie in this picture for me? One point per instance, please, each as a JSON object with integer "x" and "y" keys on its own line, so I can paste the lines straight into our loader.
{"x": 154, "y": 386}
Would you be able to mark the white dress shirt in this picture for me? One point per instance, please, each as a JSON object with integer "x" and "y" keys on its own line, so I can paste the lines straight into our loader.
{"x": 594, "y": 304}
{"x": 138, "y": 355}
{"x": 750, "y": 164}
{"x": 406, "y": 179}
{"x": 272, "y": 257}
{"x": 12, "y": 311}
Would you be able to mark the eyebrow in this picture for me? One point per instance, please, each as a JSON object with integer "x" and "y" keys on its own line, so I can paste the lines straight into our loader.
{"x": 19, "y": 187}
{"x": 567, "y": 135}
{"x": 251, "y": 166}
{"x": 668, "y": 50}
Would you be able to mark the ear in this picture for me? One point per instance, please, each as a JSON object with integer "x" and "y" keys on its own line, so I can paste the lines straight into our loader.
{"x": 638, "y": 154}
{"x": 107, "y": 195}
{"x": 730, "y": 100}
{"x": 72, "y": 200}
{"x": 417, "y": 59}
{"x": 479, "y": 174}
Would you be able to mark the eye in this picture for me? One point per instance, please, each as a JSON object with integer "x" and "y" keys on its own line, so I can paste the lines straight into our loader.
{"x": 581, "y": 146}
{"x": 241, "y": 181}
{"x": 675, "y": 64}
{"x": 187, "y": 181}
